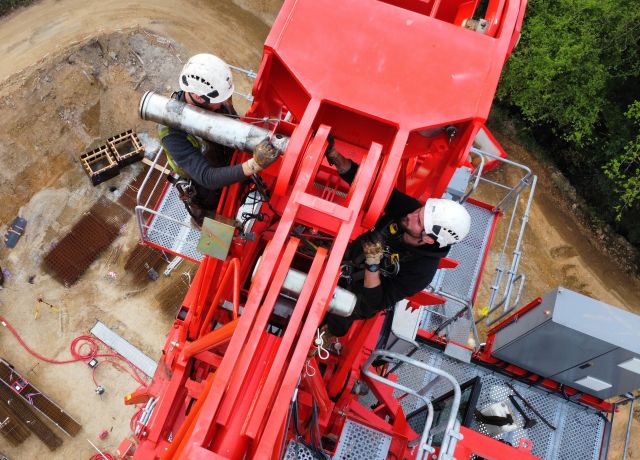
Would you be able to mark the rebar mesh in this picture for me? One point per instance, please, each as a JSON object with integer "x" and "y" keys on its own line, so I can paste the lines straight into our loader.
{"x": 93, "y": 233}
{"x": 141, "y": 260}
{"x": 25, "y": 413}
{"x": 128, "y": 198}
{"x": 31, "y": 395}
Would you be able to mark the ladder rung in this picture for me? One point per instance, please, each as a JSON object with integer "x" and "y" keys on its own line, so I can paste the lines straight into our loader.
{"x": 324, "y": 206}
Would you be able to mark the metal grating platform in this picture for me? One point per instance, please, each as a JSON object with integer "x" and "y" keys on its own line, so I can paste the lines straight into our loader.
{"x": 361, "y": 442}
{"x": 461, "y": 281}
{"x": 579, "y": 429}
{"x": 125, "y": 349}
{"x": 176, "y": 238}
{"x": 298, "y": 451}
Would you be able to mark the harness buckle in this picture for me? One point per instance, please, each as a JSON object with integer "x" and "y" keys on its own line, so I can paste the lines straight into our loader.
{"x": 346, "y": 270}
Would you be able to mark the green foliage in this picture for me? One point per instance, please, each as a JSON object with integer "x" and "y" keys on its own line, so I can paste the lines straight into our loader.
{"x": 624, "y": 169}
{"x": 573, "y": 80}
{"x": 556, "y": 77}
{"x": 6, "y": 6}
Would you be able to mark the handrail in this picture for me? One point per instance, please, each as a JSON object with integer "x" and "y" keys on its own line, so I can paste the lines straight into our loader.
{"x": 524, "y": 181}
{"x": 510, "y": 201}
{"x": 478, "y": 173}
{"x": 424, "y": 448}
{"x": 468, "y": 305}
{"x": 141, "y": 188}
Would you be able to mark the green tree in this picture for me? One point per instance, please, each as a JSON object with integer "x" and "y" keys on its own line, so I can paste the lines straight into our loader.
{"x": 624, "y": 169}
{"x": 556, "y": 77}
{"x": 574, "y": 81}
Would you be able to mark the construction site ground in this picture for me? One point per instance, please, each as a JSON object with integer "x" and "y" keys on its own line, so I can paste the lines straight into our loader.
{"x": 72, "y": 75}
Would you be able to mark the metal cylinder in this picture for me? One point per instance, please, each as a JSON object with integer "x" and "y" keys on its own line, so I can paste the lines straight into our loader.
{"x": 212, "y": 126}
{"x": 342, "y": 302}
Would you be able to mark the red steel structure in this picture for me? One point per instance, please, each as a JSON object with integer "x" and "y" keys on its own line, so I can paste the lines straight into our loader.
{"x": 404, "y": 88}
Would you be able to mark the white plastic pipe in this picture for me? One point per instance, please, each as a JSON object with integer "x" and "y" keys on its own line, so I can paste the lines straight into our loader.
{"x": 212, "y": 126}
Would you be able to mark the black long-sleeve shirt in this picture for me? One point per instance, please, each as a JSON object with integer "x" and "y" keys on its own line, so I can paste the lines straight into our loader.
{"x": 190, "y": 159}
{"x": 213, "y": 172}
{"x": 418, "y": 264}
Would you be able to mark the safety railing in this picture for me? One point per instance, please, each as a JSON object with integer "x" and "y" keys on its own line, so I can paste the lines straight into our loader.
{"x": 452, "y": 431}
{"x": 503, "y": 288}
{"x": 170, "y": 230}
{"x": 250, "y": 75}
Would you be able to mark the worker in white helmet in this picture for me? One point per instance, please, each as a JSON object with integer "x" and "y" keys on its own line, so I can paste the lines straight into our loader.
{"x": 204, "y": 167}
{"x": 397, "y": 259}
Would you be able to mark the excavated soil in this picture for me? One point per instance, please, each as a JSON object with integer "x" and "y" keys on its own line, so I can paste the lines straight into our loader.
{"x": 73, "y": 74}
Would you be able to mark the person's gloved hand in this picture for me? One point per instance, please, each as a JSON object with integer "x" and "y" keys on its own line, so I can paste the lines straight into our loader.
{"x": 373, "y": 251}
{"x": 264, "y": 154}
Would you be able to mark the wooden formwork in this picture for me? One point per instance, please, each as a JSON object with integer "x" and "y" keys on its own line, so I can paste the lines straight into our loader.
{"x": 126, "y": 148}
{"x": 104, "y": 162}
{"x": 100, "y": 164}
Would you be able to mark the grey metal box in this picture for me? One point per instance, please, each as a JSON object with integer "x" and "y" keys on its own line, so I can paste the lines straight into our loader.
{"x": 575, "y": 340}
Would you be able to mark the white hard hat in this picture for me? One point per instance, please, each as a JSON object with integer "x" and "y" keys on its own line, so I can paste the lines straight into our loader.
{"x": 207, "y": 76}
{"x": 447, "y": 220}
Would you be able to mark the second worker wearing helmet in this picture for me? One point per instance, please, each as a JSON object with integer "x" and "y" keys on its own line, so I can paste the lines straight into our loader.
{"x": 206, "y": 82}
{"x": 399, "y": 258}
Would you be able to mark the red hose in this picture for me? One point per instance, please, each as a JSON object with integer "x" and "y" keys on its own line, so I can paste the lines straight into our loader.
{"x": 76, "y": 351}
{"x": 102, "y": 456}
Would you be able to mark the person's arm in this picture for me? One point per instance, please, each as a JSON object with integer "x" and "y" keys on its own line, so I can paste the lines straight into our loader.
{"x": 389, "y": 291}
{"x": 188, "y": 157}
{"x": 415, "y": 275}
{"x": 398, "y": 205}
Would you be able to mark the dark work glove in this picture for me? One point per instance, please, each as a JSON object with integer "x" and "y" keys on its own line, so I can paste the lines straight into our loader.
{"x": 264, "y": 154}
{"x": 373, "y": 252}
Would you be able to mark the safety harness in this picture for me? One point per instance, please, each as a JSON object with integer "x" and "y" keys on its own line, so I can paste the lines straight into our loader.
{"x": 217, "y": 155}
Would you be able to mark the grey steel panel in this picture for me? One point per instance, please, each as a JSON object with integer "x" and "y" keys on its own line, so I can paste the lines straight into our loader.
{"x": 605, "y": 368}
{"x": 124, "y": 348}
{"x": 361, "y": 442}
{"x": 527, "y": 322}
{"x": 459, "y": 182}
{"x": 568, "y": 330}
{"x": 619, "y": 327}
{"x": 550, "y": 349}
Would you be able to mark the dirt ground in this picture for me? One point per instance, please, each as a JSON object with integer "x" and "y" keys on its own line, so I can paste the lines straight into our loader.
{"x": 73, "y": 74}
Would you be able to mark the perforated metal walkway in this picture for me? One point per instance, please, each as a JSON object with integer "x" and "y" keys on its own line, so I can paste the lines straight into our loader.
{"x": 460, "y": 282}
{"x": 179, "y": 239}
{"x": 357, "y": 442}
{"x": 579, "y": 429}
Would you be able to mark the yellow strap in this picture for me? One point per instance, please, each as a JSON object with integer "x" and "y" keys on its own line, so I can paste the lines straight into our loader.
{"x": 163, "y": 132}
